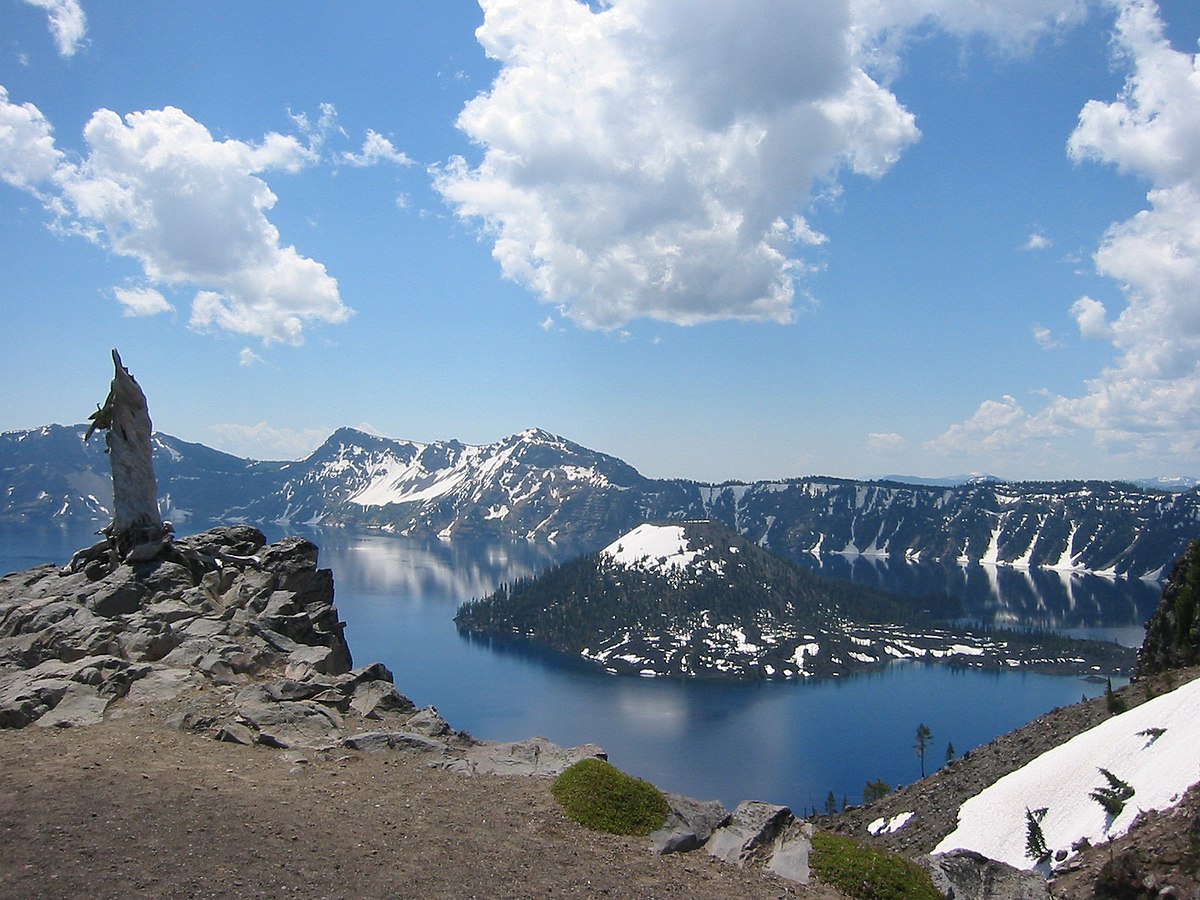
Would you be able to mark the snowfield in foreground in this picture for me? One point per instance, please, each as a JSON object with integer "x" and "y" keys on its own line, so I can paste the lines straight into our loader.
{"x": 1154, "y": 748}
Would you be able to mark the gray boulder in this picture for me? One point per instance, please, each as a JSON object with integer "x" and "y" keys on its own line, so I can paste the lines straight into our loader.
{"x": 293, "y": 725}
{"x": 690, "y": 823}
{"x": 533, "y": 756}
{"x": 766, "y": 834}
{"x": 967, "y": 875}
{"x": 80, "y": 704}
{"x": 380, "y": 741}
{"x": 750, "y": 832}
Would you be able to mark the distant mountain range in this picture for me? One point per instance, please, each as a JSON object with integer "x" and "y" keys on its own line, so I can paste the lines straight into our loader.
{"x": 540, "y": 487}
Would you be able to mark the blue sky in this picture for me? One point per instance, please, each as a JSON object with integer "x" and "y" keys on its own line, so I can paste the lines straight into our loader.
{"x": 729, "y": 240}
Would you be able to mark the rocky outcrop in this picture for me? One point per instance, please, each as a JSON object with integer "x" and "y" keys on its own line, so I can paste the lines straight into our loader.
{"x": 1173, "y": 632}
{"x": 227, "y": 636}
{"x": 966, "y": 875}
{"x": 766, "y": 835}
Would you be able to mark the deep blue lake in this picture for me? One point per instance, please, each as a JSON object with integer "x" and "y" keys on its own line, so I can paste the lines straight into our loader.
{"x": 781, "y": 742}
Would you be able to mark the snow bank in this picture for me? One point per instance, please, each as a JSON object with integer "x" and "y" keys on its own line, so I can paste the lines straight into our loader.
{"x": 652, "y": 547}
{"x": 1159, "y": 768}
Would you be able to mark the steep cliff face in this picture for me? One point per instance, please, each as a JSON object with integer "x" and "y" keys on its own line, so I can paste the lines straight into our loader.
{"x": 1173, "y": 633}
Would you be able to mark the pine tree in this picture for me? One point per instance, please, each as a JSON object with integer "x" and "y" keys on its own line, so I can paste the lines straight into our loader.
{"x": 924, "y": 736}
{"x": 1035, "y": 841}
{"x": 830, "y": 804}
{"x": 950, "y": 751}
{"x": 875, "y": 790}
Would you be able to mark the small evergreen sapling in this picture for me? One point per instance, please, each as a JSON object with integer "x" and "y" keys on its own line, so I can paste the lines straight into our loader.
{"x": 1112, "y": 699}
{"x": 1035, "y": 841}
{"x": 1112, "y": 797}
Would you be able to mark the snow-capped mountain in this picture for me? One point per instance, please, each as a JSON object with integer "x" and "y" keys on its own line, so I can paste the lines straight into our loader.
{"x": 532, "y": 485}
{"x": 695, "y": 599}
{"x": 541, "y": 487}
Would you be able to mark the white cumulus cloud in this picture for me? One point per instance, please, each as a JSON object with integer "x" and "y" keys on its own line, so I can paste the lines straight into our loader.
{"x": 28, "y": 156}
{"x": 1144, "y": 405}
{"x": 68, "y": 24}
{"x": 156, "y": 187}
{"x": 639, "y": 158}
{"x": 1091, "y": 317}
{"x": 142, "y": 301}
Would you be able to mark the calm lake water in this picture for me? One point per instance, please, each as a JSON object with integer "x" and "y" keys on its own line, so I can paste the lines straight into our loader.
{"x": 781, "y": 742}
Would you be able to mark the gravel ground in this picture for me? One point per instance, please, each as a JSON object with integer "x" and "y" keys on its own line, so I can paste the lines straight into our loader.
{"x": 130, "y": 808}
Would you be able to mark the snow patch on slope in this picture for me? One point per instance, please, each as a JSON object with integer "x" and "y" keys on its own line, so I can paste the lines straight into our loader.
{"x": 1160, "y": 768}
{"x": 654, "y": 548}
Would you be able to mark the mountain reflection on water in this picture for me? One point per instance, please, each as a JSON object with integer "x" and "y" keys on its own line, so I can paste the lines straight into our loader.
{"x": 1080, "y": 604}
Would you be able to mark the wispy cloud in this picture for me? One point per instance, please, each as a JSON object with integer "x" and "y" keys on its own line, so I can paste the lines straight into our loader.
{"x": 1045, "y": 338}
{"x": 68, "y": 24}
{"x": 885, "y": 442}
{"x": 1037, "y": 241}
{"x": 265, "y": 441}
{"x": 376, "y": 149}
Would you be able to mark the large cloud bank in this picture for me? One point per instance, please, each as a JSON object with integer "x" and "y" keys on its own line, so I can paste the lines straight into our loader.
{"x": 651, "y": 158}
{"x": 156, "y": 187}
{"x": 1146, "y": 403}
{"x": 654, "y": 158}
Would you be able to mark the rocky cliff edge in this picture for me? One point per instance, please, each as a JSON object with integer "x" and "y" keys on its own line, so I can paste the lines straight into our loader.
{"x": 226, "y": 636}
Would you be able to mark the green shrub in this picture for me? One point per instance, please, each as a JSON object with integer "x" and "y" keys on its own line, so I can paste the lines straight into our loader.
{"x": 866, "y": 873}
{"x": 602, "y": 797}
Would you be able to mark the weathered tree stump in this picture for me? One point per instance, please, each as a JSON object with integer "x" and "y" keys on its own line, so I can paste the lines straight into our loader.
{"x": 137, "y": 531}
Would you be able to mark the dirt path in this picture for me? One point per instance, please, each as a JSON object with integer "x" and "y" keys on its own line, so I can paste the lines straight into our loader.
{"x": 130, "y": 808}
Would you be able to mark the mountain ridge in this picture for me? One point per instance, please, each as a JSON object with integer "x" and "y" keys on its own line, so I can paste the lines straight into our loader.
{"x": 538, "y": 486}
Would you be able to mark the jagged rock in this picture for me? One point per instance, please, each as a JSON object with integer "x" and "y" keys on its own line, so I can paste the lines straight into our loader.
{"x": 750, "y": 832}
{"x": 429, "y": 722}
{"x": 379, "y": 741}
{"x": 763, "y": 833}
{"x": 161, "y": 684}
{"x": 288, "y": 725}
{"x": 236, "y": 733}
{"x": 533, "y": 756}
{"x": 81, "y": 704}
{"x": 372, "y": 698}
{"x": 789, "y": 859}
{"x": 120, "y": 593}
{"x": 967, "y": 875}
{"x": 690, "y": 823}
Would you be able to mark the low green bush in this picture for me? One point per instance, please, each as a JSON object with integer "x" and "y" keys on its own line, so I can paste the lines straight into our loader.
{"x": 866, "y": 873}
{"x": 602, "y": 797}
